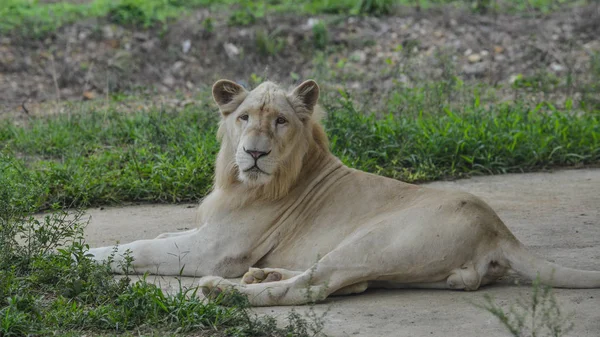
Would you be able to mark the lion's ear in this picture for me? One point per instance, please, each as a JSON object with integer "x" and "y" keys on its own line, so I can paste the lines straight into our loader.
{"x": 307, "y": 93}
{"x": 225, "y": 92}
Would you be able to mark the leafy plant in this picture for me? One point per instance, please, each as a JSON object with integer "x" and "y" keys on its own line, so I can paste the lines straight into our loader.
{"x": 537, "y": 315}
{"x": 269, "y": 43}
{"x": 375, "y": 7}
{"x": 320, "y": 35}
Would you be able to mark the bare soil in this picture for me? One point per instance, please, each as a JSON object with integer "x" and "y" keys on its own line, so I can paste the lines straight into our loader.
{"x": 94, "y": 58}
{"x": 557, "y": 215}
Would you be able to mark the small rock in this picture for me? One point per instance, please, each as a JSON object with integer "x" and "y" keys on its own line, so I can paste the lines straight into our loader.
{"x": 108, "y": 32}
{"x": 359, "y": 56}
{"x": 593, "y": 46}
{"x": 556, "y": 67}
{"x": 177, "y": 65}
{"x": 231, "y": 50}
{"x": 186, "y": 45}
{"x": 438, "y": 33}
{"x": 355, "y": 85}
{"x": 189, "y": 85}
{"x": 148, "y": 45}
{"x": 185, "y": 103}
{"x": 311, "y": 22}
{"x": 163, "y": 89}
{"x": 475, "y": 69}
{"x": 474, "y": 58}
{"x": 66, "y": 92}
{"x": 113, "y": 43}
{"x": 498, "y": 49}
{"x": 404, "y": 80}
{"x": 141, "y": 36}
{"x": 513, "y": 78}
{"x": 83, "y": 35}
{"x": 484, "y": 53}
{"x": 168, "y": 80}
{"x": 468, "y": 52}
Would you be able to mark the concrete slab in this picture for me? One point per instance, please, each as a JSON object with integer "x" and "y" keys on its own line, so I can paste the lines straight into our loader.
{"x": 557, "y": 215}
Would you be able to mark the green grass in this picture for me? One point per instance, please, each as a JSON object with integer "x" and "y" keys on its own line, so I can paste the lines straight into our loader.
{"x": 44, "y": 292}
{"x": 94, "y": 157}
{"x": 34, "y": 18}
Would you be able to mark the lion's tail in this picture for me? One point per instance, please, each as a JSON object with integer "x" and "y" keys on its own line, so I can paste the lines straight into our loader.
{"x": 530, "y": 266}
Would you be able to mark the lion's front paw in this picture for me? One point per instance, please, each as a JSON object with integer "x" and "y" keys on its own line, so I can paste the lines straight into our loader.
{"x": 255, "y": 275}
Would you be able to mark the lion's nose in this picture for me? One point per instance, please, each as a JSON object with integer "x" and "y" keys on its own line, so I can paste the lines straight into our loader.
{"x": 256, "y": 153}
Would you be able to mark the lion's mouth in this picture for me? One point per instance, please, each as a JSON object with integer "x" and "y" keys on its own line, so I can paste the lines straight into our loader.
{"x": 255, "y": 169}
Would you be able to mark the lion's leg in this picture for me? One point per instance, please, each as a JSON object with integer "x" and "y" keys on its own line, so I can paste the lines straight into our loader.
{"x": 188, "y": 254}
{"x": 174, "y": 234}
{"x": 334, "y": 272}
{"x": 264, "y": 275}
{"x": 356, "y": 288}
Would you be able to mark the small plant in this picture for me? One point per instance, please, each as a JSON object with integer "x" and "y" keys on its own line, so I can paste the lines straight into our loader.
{"x": 269, "y": 44}
{"x": 538, "y": 315}
{"x": 208, "y": 25}
{"x": 375, "y": 7}
{"x": 320, "y": 35}
{"x": 128, "y": 13}
{"x": 482, "y": 6}
{"x": 247, "y": 13}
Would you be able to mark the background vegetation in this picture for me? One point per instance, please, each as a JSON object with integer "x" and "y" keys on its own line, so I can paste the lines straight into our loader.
{"x": 36, "y": 18}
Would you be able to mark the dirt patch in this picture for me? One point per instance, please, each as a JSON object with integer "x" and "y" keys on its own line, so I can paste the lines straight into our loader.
{"x": 94, "y": 58}
{"x": 556, "y": 215}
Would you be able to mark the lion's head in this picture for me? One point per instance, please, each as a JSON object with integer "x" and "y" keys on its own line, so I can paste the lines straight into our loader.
{"x": 266, "y": 135}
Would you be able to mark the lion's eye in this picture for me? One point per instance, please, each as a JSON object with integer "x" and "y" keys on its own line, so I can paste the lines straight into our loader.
{"x": 244, "y": 117}
{"x": 281, "y": 120}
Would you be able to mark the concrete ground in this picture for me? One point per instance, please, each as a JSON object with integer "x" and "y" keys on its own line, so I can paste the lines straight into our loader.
{"x": 557, "y": 215}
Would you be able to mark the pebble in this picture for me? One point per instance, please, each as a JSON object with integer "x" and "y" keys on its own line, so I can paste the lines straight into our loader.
{"x": 108, "y": 32}
{"x": 556, "y": 67}
{"x": 474, "y": 58}
{"x": 475, "y": 69}
{"x": 168, "y": 80}
{"x": 231, "y": 50}
{"x": 186, "y": 45}
{"x": 359, "y": 56}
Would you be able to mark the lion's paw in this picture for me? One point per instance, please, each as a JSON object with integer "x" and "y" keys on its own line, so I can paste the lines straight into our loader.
{"x": 213, "y": 286}
{"x": 255, "y": 275}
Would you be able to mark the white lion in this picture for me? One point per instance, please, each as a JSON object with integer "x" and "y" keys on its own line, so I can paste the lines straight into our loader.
{"x": 281, "y": 199}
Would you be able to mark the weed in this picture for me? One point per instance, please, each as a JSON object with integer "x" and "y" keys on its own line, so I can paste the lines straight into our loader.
{"x": 375, "y": 7}
{"x": 208, "y": 25}
{"x": 247, "y": 13}
{"x": 269, "y": 44}
{"x": 538, "y": 315}
{"x": 320, "y": 35}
